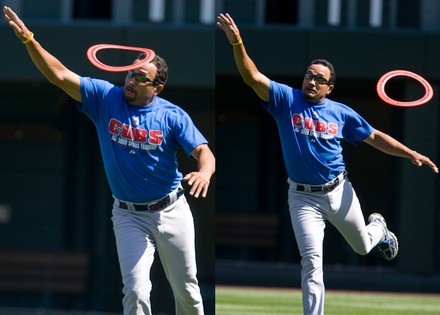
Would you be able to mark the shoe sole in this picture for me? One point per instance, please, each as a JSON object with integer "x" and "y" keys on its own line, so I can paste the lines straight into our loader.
{"x": 388, "y": 252}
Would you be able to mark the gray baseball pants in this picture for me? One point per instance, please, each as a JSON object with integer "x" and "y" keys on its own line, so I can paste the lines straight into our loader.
{"x": 169, "y": 231}
{"x": 309, "y": 212}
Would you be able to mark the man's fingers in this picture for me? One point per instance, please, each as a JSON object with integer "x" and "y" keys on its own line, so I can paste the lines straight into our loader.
{"x": 199, "y": 185}
{"x": 16, "y": 24}
{"x": 196, "y": 190}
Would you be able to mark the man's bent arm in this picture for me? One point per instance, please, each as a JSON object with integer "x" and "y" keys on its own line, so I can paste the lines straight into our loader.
{"x": 200, "y": 180}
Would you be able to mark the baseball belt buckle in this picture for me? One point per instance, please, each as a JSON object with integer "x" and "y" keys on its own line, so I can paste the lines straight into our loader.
{"x": 330, "y": 186}
{"x": 154, "y": 206}
{"x": 326, "y": 187}
{"x": 158, "y": 205}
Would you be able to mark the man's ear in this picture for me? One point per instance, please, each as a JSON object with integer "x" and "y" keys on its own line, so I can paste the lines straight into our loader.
{"x": 330, "y": 88}
{"x": 159, "y": 88}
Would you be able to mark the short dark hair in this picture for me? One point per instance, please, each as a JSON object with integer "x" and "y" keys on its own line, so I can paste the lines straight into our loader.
{"x": 327, "y": 64}
{"x": 162, "y": 69}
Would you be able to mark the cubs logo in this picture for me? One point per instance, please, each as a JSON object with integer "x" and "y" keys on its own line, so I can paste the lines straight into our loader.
{"x": 133, "y": 137}
{"x": 314, "y": 127}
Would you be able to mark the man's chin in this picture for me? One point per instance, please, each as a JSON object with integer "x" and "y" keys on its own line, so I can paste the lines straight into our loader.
{"x": 309, "y": 97}
{"x": 129, "y": 97}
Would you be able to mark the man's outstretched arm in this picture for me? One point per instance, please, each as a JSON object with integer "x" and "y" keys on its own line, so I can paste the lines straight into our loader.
{"x": 247, "y": 68}
{"x": 391, "y": 146}
{"x": 55, "y": 72}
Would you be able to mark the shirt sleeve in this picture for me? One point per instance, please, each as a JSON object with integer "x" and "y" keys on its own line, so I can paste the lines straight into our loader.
{"x": 356, "y": 128}
{"x": 279, "y": 94}
{"x": 187, "y": 134}
{"x": 93, "y": 93}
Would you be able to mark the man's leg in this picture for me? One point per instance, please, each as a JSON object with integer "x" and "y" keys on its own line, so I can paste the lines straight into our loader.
{"x": 347, "y": 217}
{"x": 176, "y": 248}
{"x": 136, "y": 255}
{"x": 309, "y": 224}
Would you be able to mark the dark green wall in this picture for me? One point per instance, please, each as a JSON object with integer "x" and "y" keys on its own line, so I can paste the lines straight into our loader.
{"x": 188, "y": 50}
{"x": 361, "y": 54}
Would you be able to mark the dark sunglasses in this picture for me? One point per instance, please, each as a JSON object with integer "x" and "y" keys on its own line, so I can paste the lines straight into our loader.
{"x": 318, "y": 78}
{"x": 139, "y": 78}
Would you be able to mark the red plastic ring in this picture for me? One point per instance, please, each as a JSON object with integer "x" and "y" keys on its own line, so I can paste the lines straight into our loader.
{"x": 93, "y": 50}
{"x": 395, "y": 73}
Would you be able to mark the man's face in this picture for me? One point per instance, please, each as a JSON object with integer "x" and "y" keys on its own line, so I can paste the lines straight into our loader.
{"x": 140, "y": 87}
{"x": 315, "y": 85}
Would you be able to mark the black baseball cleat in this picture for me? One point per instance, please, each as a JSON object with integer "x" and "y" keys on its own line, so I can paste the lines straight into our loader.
{"x": 389, "y": 246}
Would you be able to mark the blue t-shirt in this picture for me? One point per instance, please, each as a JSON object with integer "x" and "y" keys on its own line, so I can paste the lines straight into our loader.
{"x": 311, "y": 134}
{"x": 139, "y": 144}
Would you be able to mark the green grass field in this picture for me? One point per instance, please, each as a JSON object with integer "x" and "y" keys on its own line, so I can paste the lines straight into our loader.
{"x": 269, "y": 301}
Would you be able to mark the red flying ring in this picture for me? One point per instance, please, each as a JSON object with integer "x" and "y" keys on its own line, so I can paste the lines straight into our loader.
{"x": 92, "y": 51}
{"x": 396, "y": 73}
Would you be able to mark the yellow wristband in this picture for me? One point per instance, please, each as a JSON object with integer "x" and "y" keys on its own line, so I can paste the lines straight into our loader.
{"x": 27, "y": 40}
{"x": 237, "y": 43}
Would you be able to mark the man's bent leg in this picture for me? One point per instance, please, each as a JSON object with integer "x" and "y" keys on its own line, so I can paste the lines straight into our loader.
{"x": 347, "y": 217}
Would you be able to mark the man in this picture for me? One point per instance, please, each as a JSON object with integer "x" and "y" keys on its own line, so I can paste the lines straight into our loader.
{"x": 139, "y": 135}
{"x": 311, "y": 128}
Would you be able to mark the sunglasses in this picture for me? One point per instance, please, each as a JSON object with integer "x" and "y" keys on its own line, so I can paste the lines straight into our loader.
{"x": 318, "y": 78}
{"x": 139, "y": 78}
